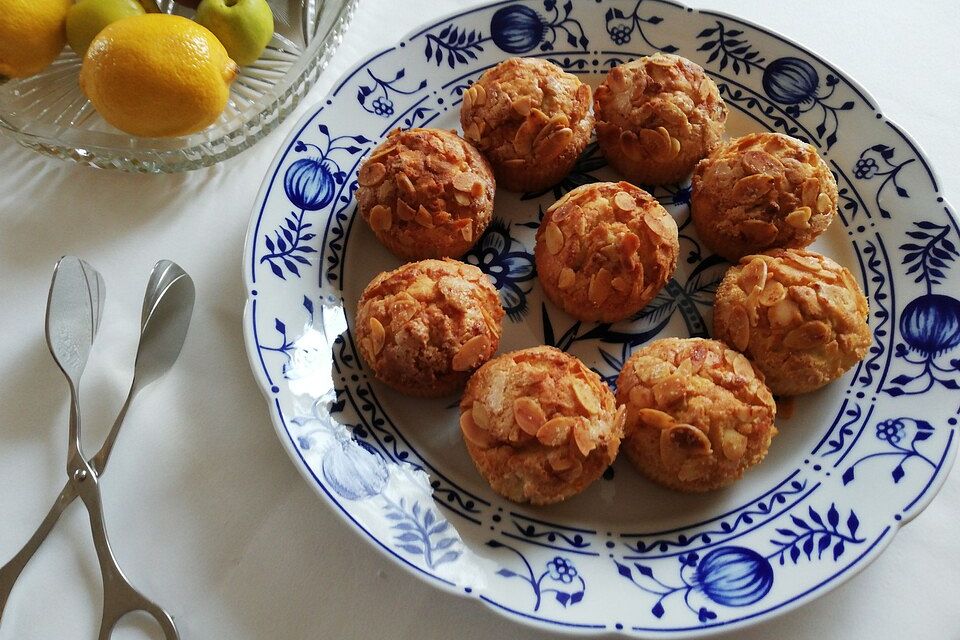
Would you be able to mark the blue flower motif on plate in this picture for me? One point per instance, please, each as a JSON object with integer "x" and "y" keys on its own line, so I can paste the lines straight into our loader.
{"x": 559, "y": 571}
{"x": 507, "y": 263}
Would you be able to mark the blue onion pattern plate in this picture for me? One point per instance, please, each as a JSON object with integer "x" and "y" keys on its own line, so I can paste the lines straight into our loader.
{"x": 855, "y": 462}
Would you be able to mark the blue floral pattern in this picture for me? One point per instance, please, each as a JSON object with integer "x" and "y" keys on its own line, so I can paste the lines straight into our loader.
{"x": 508, "y": 264}
{"x": 930, "y": 323}
{"x": 376, "y": 98}
{"x": 515, "y": 29}
{"x": 558, "y": 577}
{"x": 310, "y": 184}
{"x": 892, "y": 432}
{"x": 878, "y": 161}
{"x": 789, "y": 81}
{"x": 881, "y": 448}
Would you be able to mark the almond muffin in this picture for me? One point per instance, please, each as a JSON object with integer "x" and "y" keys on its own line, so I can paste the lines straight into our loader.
{"x": 425, "y": 327}
{"x": 798, "y": 315}
{"x": 604, "y": 250}
{"x": 539, "y": 425}
{"x": 531, "y": 119}
{"x": 657, "y": 116}
{"x": 698, "y": 413}
{"x": 426, "y": 193}
{"x": 759, "y": 192}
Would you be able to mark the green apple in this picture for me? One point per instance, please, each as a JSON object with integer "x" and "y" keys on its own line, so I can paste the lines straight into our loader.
{"x": 87, "y": 18}
{"x": 244, "y": 27}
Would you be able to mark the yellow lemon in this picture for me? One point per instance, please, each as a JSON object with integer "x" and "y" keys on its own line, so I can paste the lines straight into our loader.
{"x": 32, "y": 33}
{"x": 157, "y": 75}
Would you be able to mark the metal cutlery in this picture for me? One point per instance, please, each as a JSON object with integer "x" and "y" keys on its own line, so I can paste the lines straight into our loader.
{"x": 74, "y": 309}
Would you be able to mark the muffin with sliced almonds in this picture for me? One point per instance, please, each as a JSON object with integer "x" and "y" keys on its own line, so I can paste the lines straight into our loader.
{"x": 698, "y": 413}
{"x": 531, "y": 119}
{"x": 539, "y": 425}
{"x": 425, "y": 327}
{"x": 762, "y": 191}
{"x": 426, "y": 193}
{"x": 605, "y": 250}
{"x": 799, "y": 316}
{"x": 657, "y": 116}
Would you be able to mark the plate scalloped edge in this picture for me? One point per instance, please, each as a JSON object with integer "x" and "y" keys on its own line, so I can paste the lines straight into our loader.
{"x": 771, "y": 79}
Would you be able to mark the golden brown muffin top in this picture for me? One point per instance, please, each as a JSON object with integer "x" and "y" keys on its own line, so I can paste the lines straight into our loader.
{"x": 768, "y": 188}
{"x": 432, "y": 316}
{"x": 541, "y": 399}
{"x": 666, "y": 101}
{"x": 704, "y": 398}
{"x": 612, "y": 238}
{"x": 793, "y": 300}
{"x": 525, "y": 108}
{"x": 421, "y": 179}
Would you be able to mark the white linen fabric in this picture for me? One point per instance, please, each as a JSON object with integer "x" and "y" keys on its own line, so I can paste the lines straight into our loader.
{"x": 206, "y": 513}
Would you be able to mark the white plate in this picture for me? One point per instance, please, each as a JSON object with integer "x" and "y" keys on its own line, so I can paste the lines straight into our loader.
{"x": 856, "y": 461}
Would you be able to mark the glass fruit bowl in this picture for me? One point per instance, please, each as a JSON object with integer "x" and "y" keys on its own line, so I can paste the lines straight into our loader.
{"x": 48, "y": 112}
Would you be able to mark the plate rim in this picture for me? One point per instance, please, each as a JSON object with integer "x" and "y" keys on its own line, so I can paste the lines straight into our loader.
{"x": 520, "y": 617}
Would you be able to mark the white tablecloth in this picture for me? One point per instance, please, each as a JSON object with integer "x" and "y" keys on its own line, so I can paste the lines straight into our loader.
{"x": 207, "y": 514}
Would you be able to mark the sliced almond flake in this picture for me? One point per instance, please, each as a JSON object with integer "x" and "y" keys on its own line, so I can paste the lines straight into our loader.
{"x": 742, "y": 366}
{"x": 405, "y": 185}
{"x": 621, "y": 284}
{"x": 556, "y": 431}
{"x": 756, "y": 161}
{"x": 772, "y": 293}
{"x": 464, "y": 182}
{"x": 784, "y": 313}
{"x": 371, "y": 174}
{"x": 586, "y": 397}
{"x": 381, "y": 218}
{"x": 470, "y": 353}
{"x": 480, "y": 96}
{"x": 585, "y": 443}
{"x": 680, "y": 442}
{"x": 629, "y": 246}
{"x": 824, "y": 203}
{"x": 473, "y": 433}
{"x": 655, "y": 418}
{"x": 377, "y": 335}
{"x": 600, "y": 286}
{"x": 481, "y": 415}
{"x": 624, "y": 201}
{"x": 809, "y": 192}
{"x": 553, "y": 238}
{"x": 810, "y": 334}
{"x": 617, "y": 80}
{"x": 738, "y": 327}
{"x": 423, "y": 217}
{"x": 753, "y": 276}
{"x": 760, "y": 231}
{"x": 552, "y": 145}
{"x": 528, "y": 414}
{"x": 631, "y": 146}
{"x": 674, "y": 147}
{"x": 670, "y": 391}
{"x": 405, "y": 211}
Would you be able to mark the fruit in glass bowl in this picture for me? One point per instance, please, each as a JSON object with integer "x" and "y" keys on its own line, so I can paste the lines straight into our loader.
{"x": 245, "y": 27}
{"x": 87, "y": 18}
{"x": 49, "y": 113}
{"x": 157, "y": 75}
{"x": 31, "y": 35}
